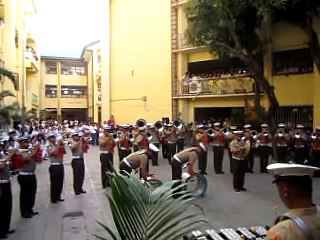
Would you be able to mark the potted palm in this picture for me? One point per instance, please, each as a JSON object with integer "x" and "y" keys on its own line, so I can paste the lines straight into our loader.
{"x": 142, "y": 212}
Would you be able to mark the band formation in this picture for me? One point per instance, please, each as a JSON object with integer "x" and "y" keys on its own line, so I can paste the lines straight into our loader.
{"x": 180, "y": 143}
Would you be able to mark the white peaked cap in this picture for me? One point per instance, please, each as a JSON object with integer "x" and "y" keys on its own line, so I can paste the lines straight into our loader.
{"x": 287, "y": 169}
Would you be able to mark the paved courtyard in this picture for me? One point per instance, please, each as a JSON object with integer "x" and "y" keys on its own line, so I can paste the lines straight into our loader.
{"x": 77, "y": 216}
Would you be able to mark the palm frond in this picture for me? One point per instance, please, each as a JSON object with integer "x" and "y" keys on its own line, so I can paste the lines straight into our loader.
{"x": 140, "y": 212}
{"x": 6, "y": 93}
{"x": 10, "y": 75}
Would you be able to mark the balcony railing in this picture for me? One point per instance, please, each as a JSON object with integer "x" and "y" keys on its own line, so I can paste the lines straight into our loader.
{"x": 183, "y": 44}
{"x": 178, "y": 2}
{"x": 227, "y": 84}
{"x": 31, "y": 61}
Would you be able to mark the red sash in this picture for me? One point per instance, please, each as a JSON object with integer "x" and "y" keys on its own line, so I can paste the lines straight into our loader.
{"x": 38, "y": 158}
{"x": 16, "y": 161}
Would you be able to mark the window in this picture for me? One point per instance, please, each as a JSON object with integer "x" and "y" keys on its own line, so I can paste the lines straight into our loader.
{"x": 51, "y": 91}
{"x": 51, "y": 68}
{"x": 68, "y": 68}
{"x": 298, "y": 61}
{"x": 74, "y": 91}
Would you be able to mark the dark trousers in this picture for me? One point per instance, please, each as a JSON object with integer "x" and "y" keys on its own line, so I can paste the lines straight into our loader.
{"x": 316, "y": 161}
{"x": 180, "y": 144}
{"x": 218, "y": 152}
{"x": 135, "y": 148}
{"x": 95, "y": 138}
{"x": 264, "y": 154}
{"x": 125, "y": 169}
{"x": 56, "y": 181}
{"x": 230, "y": 159}
{"x": 164, "y": 149}
{"x": 250, "y": 159}
{"x": 176, "y": 169}
{"x": 5, "y": 207}
{"x": 106, "y": 160}
{"x": 123, "y": 153}
{"x": 28, "y": 189}
{"x": 282, "y": 153}
{"x": 239, "y": 171}
{"x": 155, "y": 155}
{"x": 203, "y": 159}
{"x": 78, "y": 174}
{"x": 172, "y": 150}
{"x": 301, "y": 154}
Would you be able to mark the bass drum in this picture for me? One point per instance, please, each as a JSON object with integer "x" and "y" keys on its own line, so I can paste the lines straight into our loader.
{"x": 196, "y": 184}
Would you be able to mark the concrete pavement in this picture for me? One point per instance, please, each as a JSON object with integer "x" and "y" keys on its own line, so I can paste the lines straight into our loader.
{"x": 76, "y": 217}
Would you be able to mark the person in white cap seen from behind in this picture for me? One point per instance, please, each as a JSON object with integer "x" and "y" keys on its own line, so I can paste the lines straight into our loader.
{"x": 302, "y": 222}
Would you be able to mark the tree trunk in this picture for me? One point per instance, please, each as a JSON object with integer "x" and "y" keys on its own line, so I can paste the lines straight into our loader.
{"x": 313, "y": 43}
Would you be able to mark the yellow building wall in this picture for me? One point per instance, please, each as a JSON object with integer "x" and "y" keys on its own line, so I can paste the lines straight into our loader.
{"x": 140, "y": 60}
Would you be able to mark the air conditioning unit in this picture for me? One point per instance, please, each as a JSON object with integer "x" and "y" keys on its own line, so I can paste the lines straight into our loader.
{"x": 195, "y": 87}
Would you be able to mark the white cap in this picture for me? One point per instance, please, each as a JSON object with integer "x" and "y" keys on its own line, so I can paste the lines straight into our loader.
{"x": 106, "y": 127}
{"x": 264, "y": 125}
{"x": 74, "y": 133}
{"x": 247, "y": 126}
{"x": 286, "y": 169}
{"x": 153, "y": 147}
{"x": 199, "y": 126}
{"x": 238, "y": 132}
{"x": 299, "y": 126}
{"x": 281, "y": 125}
{"x": 51, "y": 134}
{"x": 217, "y": 124}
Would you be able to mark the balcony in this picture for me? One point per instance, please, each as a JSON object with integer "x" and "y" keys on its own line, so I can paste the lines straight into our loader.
{"x": 31, "y": 60}
{"x": 224, "y": 85}
{"x": 178, "y": 2}
{"x": 183, "y": 45}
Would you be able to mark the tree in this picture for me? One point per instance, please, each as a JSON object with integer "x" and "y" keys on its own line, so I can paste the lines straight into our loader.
{"x": 238, "y": 29}
{"x": 302, "y": 13}
{"x": 141, "y": 212}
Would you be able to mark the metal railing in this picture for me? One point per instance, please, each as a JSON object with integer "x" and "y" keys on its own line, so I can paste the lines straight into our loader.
{"x": 240, "y": 84}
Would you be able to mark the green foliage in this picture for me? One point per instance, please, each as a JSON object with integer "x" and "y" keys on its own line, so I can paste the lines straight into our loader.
{"x": 229, "y": 27}
{"x": 141, "y": 212}
{"x": 12, "y": 77}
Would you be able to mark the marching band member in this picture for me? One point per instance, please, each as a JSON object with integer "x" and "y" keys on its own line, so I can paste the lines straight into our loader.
{"x": 282, "y": 141}
{"x": 141, "y": 138}
{"x": 264, "y": 147}
{"x": 189, "y": 156}
{"x": 107, "y": 145}
{"x": 164, "y": 142}
{"x": 300, "y": 146}
{"x": 137, "y": 161}
{"x": 239, "y": 148}
{"x": 170, "y": 133}
{"x": 228, "y": 139}
{"x": 5, "y": 198}
{"x": 180, "y": 138}
{"x": 155, "y": 140}
{"x": 294, "y": 185}
{"x": 202, "y": 138}
{"x": 135, "y": 132}
{"x": 77, "y": 162}
{"x": 56, "y": 150}
{"x": 218, "y": 142}
{"x": 315, "y": 144}
{"x": 125, "y": 144}
{"x": 248, "y": 136}
{"x": 27, "y": 177}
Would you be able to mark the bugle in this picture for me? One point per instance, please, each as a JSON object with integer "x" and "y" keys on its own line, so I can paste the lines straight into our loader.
{"x": 141, "y": 122}
{"x": 159, "y": 126}
{"x": 177, "y": 124}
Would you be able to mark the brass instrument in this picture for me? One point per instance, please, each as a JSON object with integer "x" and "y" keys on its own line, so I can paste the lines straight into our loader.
{"x": 315, "y": 135}
{"x": 254, "y": 134}
{"x": 178, "y": 124}
{"x": 141, "y": 122}
{"x": 297, "y": 135}
{"x": 279, "y": 133}
{"x": 131, "y": 137}
{"x": 210, "y": 132}
{"x": 159, "y": 126}
{"x": 149, "y": 136}
{"x": 115, "y": 137}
